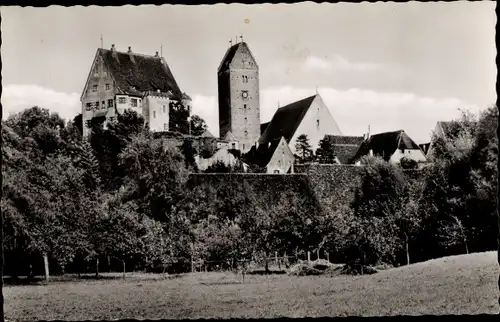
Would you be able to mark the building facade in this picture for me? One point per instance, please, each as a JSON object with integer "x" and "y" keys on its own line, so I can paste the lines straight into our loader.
{"x": 118, "y": 81}
{"x": 238, "y": 96}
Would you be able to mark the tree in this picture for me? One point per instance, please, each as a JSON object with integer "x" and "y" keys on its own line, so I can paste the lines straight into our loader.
{"x": 408, "y": 164}
{"x": 325, "y": 153}
{"x": 179, "y": 114}
{"x": 303, "y": 148}
{"x": 198, "y": 125}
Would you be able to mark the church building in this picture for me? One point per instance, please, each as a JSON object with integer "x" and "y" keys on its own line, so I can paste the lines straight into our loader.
{"x": 126, "y": 80}
{"x": 309, "y": 116}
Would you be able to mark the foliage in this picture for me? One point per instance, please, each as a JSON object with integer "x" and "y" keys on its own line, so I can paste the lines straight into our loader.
{"x": 325, "y": 153}
{"x": 408, "y": 164}
{"x": 178, "y": 120}
{"x": 198, "y": 125}
{"x": 304, "y": 149}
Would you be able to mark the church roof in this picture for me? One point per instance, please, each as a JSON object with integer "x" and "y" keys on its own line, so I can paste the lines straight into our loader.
{"x": 263, "y": 127}
{"x": 286, "y": 120}
{"x": 385, "y": 144}
{"x": 144, "y": 73}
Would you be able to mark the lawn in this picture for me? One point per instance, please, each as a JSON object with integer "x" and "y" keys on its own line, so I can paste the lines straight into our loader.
{"x": 465, "y": 284}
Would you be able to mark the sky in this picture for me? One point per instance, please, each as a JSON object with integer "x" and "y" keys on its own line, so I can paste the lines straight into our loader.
{"x": 387, "y": 66}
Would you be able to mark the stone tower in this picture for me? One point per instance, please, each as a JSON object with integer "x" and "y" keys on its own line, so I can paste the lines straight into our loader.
{"x": 238, "y": 84}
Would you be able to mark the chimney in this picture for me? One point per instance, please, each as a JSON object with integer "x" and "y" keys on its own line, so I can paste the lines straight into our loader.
{"x": 131, "y": 55}
{"x": 157, "y": 55}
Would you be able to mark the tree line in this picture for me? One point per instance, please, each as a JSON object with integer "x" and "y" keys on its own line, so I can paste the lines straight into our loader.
{"x": 76, "y": 204}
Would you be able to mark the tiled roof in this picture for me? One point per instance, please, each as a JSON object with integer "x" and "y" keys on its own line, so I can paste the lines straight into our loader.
{"x": 144, "y": 73}
{"x": 262, "y": 154}
{"x": 345, "y": 147}
{"x": 385, "y": 144}
{"x": 230, "y": 53}
{"x": 230, "y": 137}
{"x": 263, "y": 127}
{"x": 286, "y": 120}
{"x": 424, "y": 147}
{"x": 207, "y": 134}
{"x": 345, "y": 140}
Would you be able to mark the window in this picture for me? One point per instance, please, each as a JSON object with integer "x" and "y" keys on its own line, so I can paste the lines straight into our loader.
{"x": 108, "y": 87}
{"x": 110, "y": 103}
{"x": 96, "y": 105}
{"x": 234, "y": 145}
{"x": 165, "y": 126}
{"x": 103, "y": 105}
{"x": 245, "y": 79}
{"x": 317, "y": 122}
{"x": 245, "y": 106}
{"x": 246, "y": 133}
{"x": 88, "y": 123}
{"x": 164, "y": 109}
{"x": 122, "y": 100}
{"x": 154, "y": 114}
{"x": 276, "y": 171}
{"x": 94, "y": 88}
{"x": 88, "y": 107}
{"x": 133, "y": 102}
{"x": 243, "y": 147}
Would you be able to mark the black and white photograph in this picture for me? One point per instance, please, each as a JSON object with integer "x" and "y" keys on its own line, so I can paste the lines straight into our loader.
{"x": 249, "y": 161}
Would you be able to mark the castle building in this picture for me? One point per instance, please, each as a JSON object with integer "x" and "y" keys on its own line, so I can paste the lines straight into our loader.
{"x": 238, "y": 91}
{"x": 126, "y": 80}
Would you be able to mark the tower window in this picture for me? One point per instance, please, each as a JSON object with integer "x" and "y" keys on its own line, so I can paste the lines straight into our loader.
{"x": 245, "y": 79}
{"x": 245, "y": 106}
{"x": 154, "y": 114}
{"x": 317, "y": 122}
{"x": 108, "y": 87}
{"x": 164, "y": 109}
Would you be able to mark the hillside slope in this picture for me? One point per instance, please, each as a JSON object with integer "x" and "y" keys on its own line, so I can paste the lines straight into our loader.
{"x": 465, "y": 284}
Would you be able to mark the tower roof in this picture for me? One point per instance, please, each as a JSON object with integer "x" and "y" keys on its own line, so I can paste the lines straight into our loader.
{"x": 231, "y": 53}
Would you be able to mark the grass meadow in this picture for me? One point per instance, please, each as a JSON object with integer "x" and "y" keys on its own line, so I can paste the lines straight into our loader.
{"x": 465, "y": 284}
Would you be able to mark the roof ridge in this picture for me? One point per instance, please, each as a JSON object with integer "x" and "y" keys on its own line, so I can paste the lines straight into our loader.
{"x": 132, "y": 53}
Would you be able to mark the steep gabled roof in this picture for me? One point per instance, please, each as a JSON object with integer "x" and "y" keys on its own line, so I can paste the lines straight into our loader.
{"x": 263, "y": 127}
{"x": 345, "y": 147}
{"x": 424, "y": 147}
{"x": 286, "y": 120}
{"x": 230, "y": 137}
{"x": 231, "y": 52}
{"x": 207, "y": 134}
{"x": 262, "y": 154}
{"x": 144, "y": 73}
{"x": 385, "y": 144}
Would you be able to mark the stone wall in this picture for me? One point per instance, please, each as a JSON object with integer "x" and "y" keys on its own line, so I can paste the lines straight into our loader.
{"x": 333, "y": 185}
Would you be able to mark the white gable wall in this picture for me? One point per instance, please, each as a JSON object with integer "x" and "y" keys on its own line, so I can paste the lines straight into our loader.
{"x": 282, "y": 159}
{"x": 318, "y": 111}
{"x": 413, "y": 154}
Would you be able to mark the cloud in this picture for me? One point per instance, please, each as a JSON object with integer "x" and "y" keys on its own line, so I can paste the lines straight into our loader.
{"x": 353, "y": 109}
{"x": 356, "y": 109}
{"x": 339, "y": 63}
{"x": 16, "y": 98}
